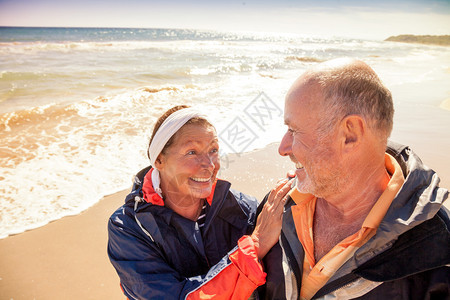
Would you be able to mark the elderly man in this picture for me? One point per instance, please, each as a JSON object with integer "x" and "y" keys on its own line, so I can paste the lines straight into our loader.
{"x": 363, "y": 222}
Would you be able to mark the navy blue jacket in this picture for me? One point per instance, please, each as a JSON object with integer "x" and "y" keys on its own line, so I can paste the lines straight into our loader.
{"x": 159, "y": 254}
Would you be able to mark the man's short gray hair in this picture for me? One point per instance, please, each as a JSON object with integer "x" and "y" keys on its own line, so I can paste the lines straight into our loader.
{"x": 352, "y": 87}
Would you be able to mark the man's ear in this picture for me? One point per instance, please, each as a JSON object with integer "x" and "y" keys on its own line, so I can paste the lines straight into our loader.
{"x": 353, "y": 128}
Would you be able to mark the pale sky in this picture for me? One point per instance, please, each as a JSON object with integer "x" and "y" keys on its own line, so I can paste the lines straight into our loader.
{"x": 346, "y": 18}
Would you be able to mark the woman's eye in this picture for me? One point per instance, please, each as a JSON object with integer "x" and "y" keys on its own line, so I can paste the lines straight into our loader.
{"x": 214, "y": 150}
{"x": 191, "y": 152}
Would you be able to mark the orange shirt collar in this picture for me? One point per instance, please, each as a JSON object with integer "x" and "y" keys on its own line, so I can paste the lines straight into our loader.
{"x": 383, "y": 203}
{"x": 303, "y": 211}
{"x": 380, "y": 208}
{"x": 316, "y": 275}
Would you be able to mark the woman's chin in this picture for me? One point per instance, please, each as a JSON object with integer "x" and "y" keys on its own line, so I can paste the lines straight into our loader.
{"x": 201, "y": 189}
{"x": 201, "y": 193}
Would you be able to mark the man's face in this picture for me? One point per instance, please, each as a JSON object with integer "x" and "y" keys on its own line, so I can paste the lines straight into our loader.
{"x": 318, "y": 167}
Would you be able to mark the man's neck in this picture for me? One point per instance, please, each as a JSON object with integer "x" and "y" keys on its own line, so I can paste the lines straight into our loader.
{"x": 341, "y": 215}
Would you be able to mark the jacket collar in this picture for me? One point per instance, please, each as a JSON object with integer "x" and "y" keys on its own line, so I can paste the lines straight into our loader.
{"x": 153, "y": 208}
{"x": 217, "y": 200}
{"x": 418, "y": 201}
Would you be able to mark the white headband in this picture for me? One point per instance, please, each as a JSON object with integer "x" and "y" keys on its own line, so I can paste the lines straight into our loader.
{"x": 169, "y": 127}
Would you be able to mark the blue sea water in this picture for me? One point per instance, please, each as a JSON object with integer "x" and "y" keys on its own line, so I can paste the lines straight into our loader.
{"x": 77, "y": 104}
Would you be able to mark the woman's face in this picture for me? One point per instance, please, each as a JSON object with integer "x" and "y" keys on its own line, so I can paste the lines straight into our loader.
{"x": 188, "y": 168}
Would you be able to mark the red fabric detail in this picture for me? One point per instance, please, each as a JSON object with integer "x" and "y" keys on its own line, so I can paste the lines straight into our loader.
{"x": 239, "y": 279}
{"x": 246, "y": 258}
{"x": 150, "y": 196}
{"x": 211, "y": 196}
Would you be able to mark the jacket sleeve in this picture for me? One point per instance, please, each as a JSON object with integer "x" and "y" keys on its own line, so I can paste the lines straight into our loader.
{"x": 145, "y": 274}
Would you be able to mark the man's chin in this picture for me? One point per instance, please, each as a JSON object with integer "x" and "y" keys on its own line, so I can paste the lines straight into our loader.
{"x": 302, "y": 183}
{"x": 305, "y": 186}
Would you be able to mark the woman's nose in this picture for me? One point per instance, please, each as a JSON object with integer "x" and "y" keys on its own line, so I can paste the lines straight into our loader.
{"x": 207, "y": 161}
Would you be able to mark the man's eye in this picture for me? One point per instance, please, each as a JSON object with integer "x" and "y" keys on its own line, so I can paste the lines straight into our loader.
{"x": 214, "y": 150}
{"x": 192, "y": 152}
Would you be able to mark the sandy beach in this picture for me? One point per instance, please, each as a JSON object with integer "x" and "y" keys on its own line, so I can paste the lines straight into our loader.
{"x": 67, "y": 259}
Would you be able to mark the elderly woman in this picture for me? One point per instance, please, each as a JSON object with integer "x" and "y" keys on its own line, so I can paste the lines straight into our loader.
{"x": 183, "y": 233}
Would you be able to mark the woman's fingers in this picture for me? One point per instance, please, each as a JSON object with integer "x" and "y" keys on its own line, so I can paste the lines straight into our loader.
{"x": 271, "y": 215}
{"x": 268, "y": 225}
{"x": 281, "y": 195}
{"x": 276, "y": 189}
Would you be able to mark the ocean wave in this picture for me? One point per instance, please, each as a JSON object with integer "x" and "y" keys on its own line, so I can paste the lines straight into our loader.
{"x": 153, "y": 90}
{"x": 61, "y": 159}
{"x": 134, "y": 34}
{"x": 32, "y": 117}
{"x": 234, "y": 68}
{"x": 308, "y": 59}
{"x": 169, "y": 46}
{"x": 6, "y": 76}
{"x": 23, "y": 131}
{"x": 65, "y": 47}
{"x": 161, "y": 46}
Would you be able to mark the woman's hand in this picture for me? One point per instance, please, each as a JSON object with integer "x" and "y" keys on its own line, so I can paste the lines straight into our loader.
{"x": 268, "y": 225}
